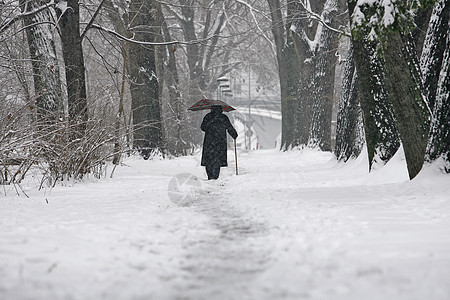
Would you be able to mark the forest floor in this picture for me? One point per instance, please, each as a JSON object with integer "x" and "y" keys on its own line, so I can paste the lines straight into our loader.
{"x": 291, "y": 225}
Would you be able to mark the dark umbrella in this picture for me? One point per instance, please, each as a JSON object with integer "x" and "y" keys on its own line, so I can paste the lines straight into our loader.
{"x": 209, "y": 103}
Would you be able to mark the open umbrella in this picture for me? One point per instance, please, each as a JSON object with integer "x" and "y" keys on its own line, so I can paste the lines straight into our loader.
{"x": 208, "y": 103}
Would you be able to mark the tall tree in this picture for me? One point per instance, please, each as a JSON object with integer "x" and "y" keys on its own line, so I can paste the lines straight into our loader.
{"x": 350, "y": 130}
{"x": 68, "y": 13}
{"x": 199, "y": 24}
{"x": 289, "y": 75}
{"x": 47, "y": 82}
{"x": 316, "y": 41}
{"x": 379, "y": 123}
{"x": 145, "y": 19}
{"x": 411, "y": 111}
{"x": 391, "y": 23}
{"x": 435, "y": 43}
{"x": 175, "y": 138}
{"x": 435, "y": 65}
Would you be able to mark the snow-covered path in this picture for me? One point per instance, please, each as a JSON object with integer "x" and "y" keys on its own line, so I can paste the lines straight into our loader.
{"x": 292, "y": 225}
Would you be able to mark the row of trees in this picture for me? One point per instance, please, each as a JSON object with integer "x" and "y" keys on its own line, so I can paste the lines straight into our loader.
{"x": 85, "y": 81}
{"x": 395, "y": 86}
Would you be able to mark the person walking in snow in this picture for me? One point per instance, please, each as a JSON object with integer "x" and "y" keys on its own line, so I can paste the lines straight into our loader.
{"x": 214, "y": 156}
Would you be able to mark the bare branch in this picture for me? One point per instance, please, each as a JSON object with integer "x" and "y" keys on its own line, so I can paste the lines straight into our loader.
{"x": 316, "y": 17}
{"x": 20, "y": 16}
{"x": 88, "y": 26}
{"x": 121, "y": 37}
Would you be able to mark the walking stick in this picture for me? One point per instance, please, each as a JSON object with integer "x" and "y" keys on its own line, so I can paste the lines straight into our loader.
{"x": 235, "y": 156}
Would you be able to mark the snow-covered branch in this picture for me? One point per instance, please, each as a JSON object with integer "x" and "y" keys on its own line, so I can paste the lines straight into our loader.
{"x": 380, "y": 15}
{"x": 321, "y": 19}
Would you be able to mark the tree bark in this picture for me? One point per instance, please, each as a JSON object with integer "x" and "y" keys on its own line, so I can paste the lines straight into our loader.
{"x": 47, "y": 81}
{"x": 144, "y": 86}
{"x": 439, "y": 142}
{"x": 322, "y": 86}
{"x": 289, "y": 73}
{"x": 433, "y": 51}
{"x": 350, "y": 130}
{"x": 69, "y": 25}
{"x": 380, "y": 128}
{"x": 176, "y": 135}
{"x": 315, "y": 47}
{"x": 411, "y": 112}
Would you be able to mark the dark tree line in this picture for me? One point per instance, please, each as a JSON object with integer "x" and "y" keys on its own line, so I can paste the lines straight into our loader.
{"x": 397, "y": 47}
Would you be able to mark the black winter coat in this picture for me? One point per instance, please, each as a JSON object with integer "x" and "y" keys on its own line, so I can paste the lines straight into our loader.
{"x": 215, "y": 125}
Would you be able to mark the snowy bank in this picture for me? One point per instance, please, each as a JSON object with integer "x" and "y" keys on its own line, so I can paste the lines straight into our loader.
{"x": 291, "y": 225}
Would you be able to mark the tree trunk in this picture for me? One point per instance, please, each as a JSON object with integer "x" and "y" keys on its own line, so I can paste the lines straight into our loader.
{"x": 315, "y": 47}
{"x": 322, "y": 86}
{"x": 411, "y": 112}
{"x": 289, "y": 73}
{"x": 439, "y": 142}
{"x": 144, "y": 87}
{"x": 176, "y": 135}
{"x": 47, "y": 82}
{"x": 433, "y": 51}
{"x": 69, "y": 25}
{"x": 350, "y": 130}
{"x": 381, "y": 134}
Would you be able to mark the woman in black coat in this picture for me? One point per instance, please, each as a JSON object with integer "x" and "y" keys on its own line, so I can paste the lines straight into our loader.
{"x": 215, "y": 125}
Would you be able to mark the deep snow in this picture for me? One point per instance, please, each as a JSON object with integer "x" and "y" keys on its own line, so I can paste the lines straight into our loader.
{"x": 292, "y": 225}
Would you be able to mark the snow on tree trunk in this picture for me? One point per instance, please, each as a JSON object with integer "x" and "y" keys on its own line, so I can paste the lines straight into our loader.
{"x": 433, "y": 50}
{"x": 439, "y": 143}
{"x": 47, "y": 81}
{"x": 315, "y": 46}
{"x": 350, "y": 130}
{"x": 322, "y": 86}
{"x": 305, "y": 35}
{"x": 68, "y": 13}
{"x": 144, "y": 85}
{"x": 289, "y": 73}
{"x": 404, "y": 84}
{"x": 379, "y": 124}
{"x": 419, "y": 33}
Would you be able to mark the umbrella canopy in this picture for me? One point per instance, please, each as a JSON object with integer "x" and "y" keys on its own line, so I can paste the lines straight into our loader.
{"x": 209, "y": 103}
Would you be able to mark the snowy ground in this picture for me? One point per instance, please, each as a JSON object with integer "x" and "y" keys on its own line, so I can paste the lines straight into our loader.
{"x": 292, "y": 225}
